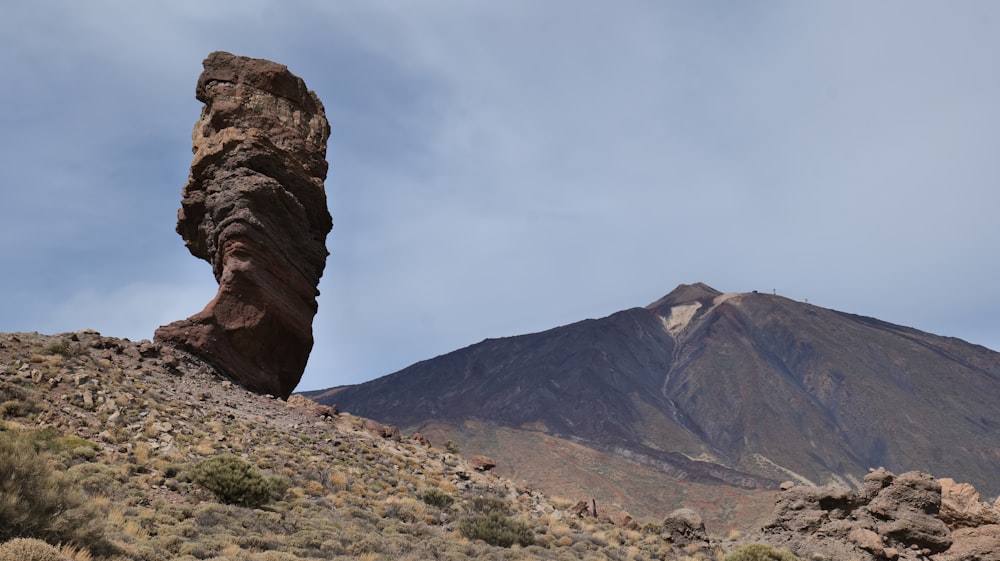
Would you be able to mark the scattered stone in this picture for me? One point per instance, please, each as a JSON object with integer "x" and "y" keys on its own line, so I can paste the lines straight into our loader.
{"x": 582, "y": 509}
{"x": 254, "y": 207}
{"x": 421, "y": 439}
{"x": 867, "y": 540}
{"x": 625, "y": 520}
{"x": 327, "y": 411}
{"x": 482, "y": 463}
{"x": 385, "y": 431}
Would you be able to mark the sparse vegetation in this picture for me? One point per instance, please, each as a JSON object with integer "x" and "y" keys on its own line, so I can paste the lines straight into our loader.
{"x": 136, "y": 460}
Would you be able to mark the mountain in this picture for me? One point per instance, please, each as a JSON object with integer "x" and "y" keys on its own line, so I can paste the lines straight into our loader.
{"x": 738, "y": 389}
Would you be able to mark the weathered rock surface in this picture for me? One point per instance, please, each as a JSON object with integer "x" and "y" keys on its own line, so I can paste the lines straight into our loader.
{"x": 974, "y": 544}
{"x": 962, "y": 507}
{"x": 889, "y": 517}
{"x": 684, "y": 526}
{"x": 255, "y": 208}
{"x": 482, "y": 463}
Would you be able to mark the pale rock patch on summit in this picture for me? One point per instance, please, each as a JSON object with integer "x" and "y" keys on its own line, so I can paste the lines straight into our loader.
{"x": 679, "y": 318}
{"x": 681, "y": 315}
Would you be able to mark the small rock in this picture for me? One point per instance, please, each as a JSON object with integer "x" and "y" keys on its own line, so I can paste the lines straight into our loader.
{"x": 580, "y": 509}
{"x": 482, "y": 463}
{"x": 867, "y": 540}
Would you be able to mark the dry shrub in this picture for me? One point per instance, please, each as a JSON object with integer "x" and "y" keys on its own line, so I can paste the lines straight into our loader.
{"x": 759, "y": 552}
{"x": 36, "y": 501}
{"x": 28, "y": 549}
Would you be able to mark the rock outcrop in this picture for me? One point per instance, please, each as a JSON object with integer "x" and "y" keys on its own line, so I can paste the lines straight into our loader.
{"x": 255, "y": 208}
{"x": 684, "y": 526}
{"x": 889, "y": 517}
{"x": 910, "y": 516}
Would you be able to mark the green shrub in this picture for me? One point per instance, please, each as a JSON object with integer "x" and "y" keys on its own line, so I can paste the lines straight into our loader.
{"x": 234, "y": 481}
{"x": 759, "y": 552}
{"x": 496, "y": 529}
{"x": 489, "y": 519}
{"x": 13, "y": 408}
{"x": 28, "y": 549}
{"x": 38, "y": 502}
{"x": 436, "y": 497}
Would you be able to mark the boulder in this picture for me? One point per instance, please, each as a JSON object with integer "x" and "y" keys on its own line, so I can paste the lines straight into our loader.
{"x": 685, "y": 526}
{"x": 390, "y": 432}
{"x": 973, "y": 544}
{"x": 962, "y": 507}
{"x": 907, "y": 512}
{"x": 482, "y": 463}
{"x": 254, "y": 207}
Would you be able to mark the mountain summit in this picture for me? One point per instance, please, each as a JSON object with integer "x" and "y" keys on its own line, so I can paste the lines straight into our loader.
{"x": 745, "y": 389}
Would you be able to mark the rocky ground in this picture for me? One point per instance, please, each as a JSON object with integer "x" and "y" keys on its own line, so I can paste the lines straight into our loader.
{"x": 128, "y": 422}
{"x": 141, "y": 416}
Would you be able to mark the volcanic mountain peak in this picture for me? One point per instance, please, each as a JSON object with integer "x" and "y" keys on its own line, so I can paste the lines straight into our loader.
{"x": 684, "y": 303}
{"x": 685, "y": 294}
{"x": 740, "y": 388}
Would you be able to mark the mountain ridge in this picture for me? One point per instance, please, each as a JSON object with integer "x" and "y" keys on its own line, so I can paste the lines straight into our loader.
{"x": 749, "y": 386}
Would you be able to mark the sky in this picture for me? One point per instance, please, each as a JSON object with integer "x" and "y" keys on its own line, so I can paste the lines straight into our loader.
{"x": 499, "y": 168}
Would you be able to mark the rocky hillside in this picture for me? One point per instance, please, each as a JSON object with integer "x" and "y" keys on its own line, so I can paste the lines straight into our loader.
{"x": 126, "y": 428}
{"x": 113, "y": 449}
{"x": 741, "y": 390}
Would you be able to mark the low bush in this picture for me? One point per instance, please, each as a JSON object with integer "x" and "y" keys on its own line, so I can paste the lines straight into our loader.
{"x": 489, "y": 519}
{"x": 37, "y": 501}
{"x": 437, "y": 498}
{"x": 28, "y": 549}
{"x": 759, "y": 552}
{"x": 496, "y": 529}
{"x": 235, "y": 481}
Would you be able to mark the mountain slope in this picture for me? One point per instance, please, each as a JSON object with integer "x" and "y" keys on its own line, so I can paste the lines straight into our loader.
{"x": 124, "y": 427}
{"x": 744, "y": 389}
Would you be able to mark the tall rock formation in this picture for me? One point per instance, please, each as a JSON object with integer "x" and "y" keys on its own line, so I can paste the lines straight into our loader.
{"x": 254, "y": 207}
